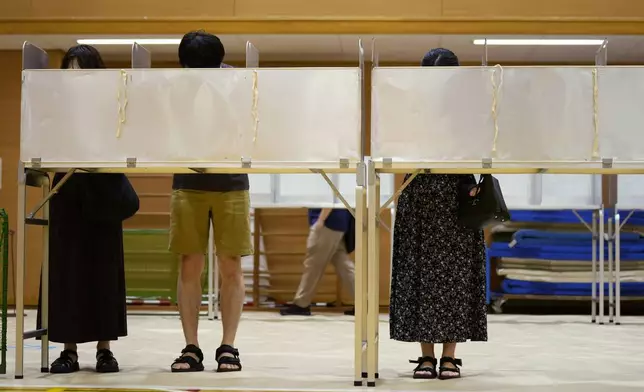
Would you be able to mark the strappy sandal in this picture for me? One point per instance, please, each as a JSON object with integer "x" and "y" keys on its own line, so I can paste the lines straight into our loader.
{"x": 105, "y": 361}
{"x": 196, "y": 365}
{"x": 430, "y": 370}
{"x": 442, "y": 369}
{"x": 66, "y": 363}
{"x": 223, "y": 359}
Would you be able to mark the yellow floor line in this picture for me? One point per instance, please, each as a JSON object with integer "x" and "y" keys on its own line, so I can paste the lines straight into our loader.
{"x": 72, "y": 389}
{"x": 117, "y": 389}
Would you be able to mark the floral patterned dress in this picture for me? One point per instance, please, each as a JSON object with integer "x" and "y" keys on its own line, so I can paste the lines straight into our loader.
{"x": 438, "y": 270}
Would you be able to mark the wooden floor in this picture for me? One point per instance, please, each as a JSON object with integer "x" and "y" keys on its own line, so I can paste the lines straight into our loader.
{"x": 524, "y": 354}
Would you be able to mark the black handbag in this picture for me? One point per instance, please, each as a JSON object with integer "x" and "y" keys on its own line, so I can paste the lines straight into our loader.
{"x": 108, "y": 197}
{"x": 486, "y": 208}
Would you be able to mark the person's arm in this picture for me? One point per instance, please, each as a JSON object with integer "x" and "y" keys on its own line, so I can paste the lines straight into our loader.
{"x": 468, "y": 184}
{"x": 324, "y": 214}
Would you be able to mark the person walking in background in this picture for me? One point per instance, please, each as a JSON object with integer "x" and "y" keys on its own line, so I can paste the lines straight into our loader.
{"x": 196, "y": 199}
{"x": 438, "y": 269}
{"x": 331, "y": 239}
{"x": 86, "y": 264}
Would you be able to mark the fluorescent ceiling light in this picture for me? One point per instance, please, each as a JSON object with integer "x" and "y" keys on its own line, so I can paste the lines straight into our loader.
{"x": 540, "y": 42}
{"x": 129, "y": 41}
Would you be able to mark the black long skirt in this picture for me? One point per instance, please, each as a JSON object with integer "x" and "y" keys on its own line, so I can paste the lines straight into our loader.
{"x": 438, "y": 269}
{"x": 86, "y": 269}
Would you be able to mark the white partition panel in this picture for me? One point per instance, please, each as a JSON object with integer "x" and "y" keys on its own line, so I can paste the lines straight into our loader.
{"x": 518, "y": 190}
{"x": 422, "y": 114}
{"x": 303, "y": 190}
{"x": 442, "y": 115}
{"x": 261, "y": 189}
{"x": 171, "y": 115}
{"x": 620, "y": 114}
{"x": 308, "y": 115}
{"x": 179, "y": 116}
{"x": 387, "y": 186}
{"x": 570, "y": 191}
{"x": 545, "y": 114}
{"x": 630, "y": 193}
{"x": 346, "y": 184}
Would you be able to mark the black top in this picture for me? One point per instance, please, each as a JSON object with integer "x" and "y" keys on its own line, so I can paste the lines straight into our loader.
{"x": 211, "y": 182}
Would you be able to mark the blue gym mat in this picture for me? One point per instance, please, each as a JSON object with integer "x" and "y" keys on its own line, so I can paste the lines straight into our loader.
{"x": 563, "y": 246}
{"x": 568, "y": 216}
{"x": 564, "y": 236}
{"x": 512, "y": 286}
{"x": 562, "y": 253}
{"x": 557, "y": 245}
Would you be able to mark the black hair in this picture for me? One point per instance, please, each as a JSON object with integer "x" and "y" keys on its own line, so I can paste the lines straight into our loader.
{"x": 439, "y": 57}
{"x": 87, "y": 57}
{"x": 199, "y": 49}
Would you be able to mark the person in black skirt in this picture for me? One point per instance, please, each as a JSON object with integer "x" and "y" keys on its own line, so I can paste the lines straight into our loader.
{"x": 438, "y": 269}
{"x": 87, "y": 274}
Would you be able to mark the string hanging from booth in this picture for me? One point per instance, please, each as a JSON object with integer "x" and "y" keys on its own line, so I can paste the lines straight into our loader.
{"x": 496, "y": 88}
{"x": 255, "y": 112}
{"x": 595, "y": 153}
{"x": 121, "y": 97}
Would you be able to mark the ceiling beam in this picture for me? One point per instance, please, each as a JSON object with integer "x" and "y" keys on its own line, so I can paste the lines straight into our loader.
{"x": 497, "y": 26}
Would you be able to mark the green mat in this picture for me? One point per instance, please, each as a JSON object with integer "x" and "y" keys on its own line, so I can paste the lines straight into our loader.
{"x": 4, "y": 257}
{"x": 151, "y": 270}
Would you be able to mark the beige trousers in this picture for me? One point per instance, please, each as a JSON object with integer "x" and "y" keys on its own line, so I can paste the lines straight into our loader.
{"x": 323, "y": 246}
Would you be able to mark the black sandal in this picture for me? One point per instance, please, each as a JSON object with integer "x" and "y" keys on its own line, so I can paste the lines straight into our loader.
{"x": 428, "y": 369}
{"x": 455, "y": 369}
{"x": 195, "y": 365}
{"x": 227, "y": 359}
{"x": 66, "y": 363}
{"x": 105, "y": 361}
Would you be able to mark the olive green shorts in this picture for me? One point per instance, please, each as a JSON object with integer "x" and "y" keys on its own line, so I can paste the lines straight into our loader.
{"x": 190, "y": 215}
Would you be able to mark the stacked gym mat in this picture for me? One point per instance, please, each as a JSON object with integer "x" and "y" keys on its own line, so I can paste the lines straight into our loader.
{"x": 549, "y": 253}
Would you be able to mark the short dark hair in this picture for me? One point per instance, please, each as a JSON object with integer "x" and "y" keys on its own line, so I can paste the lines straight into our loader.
{"x": 439, "y": 57}
{"x": 199, "y": 49}
{"x": 87, "y": 57}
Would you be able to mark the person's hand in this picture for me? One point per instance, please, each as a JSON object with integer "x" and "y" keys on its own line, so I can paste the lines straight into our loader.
{"x": 474, "y": 191}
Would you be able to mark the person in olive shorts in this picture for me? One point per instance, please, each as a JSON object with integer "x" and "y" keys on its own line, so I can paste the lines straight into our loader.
{"x": 196, "y": 199}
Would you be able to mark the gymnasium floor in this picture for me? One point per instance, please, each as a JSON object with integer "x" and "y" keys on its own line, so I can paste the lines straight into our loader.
{"x": 525, "y": 353}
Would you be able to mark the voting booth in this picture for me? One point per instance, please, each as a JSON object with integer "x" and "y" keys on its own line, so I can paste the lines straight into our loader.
{"x": 556, "y": 138}
{"x": 265, "y": 122}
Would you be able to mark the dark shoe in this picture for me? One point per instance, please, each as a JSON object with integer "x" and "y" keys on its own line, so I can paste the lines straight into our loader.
{"x": 66, "y": 363}
{"x": 227, "y": 355}
{"x": 444, "y": 369}
{"x": 105, "y": 362}
{"x": 350, "y": 312}
{"x": 195, "y": 365}
{"x": 294, "y": 310}
{"x": 428, "y": 372}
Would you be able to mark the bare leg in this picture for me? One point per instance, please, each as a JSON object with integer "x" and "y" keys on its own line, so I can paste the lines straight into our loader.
{"x": 449, "y": 350}
{"x": 189, "y": 294}
{"x": 233, "y": 293}
{"x": 427, "y": 350}
{"x": 105, "y": 361}
{"x": 104, "y": 344}
{"x": 72, "y": 347}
